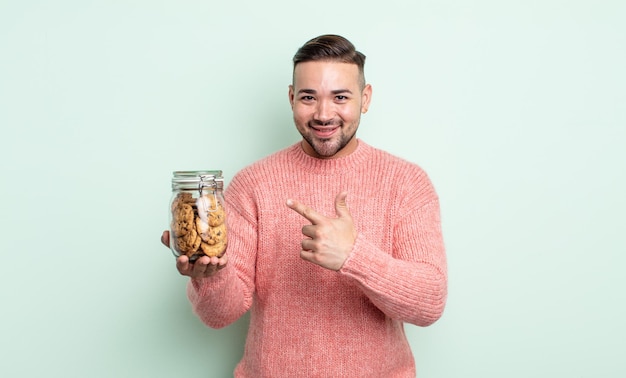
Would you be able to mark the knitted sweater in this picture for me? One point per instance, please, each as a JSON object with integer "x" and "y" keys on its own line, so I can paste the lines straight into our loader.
{"x": 307, "y": 321}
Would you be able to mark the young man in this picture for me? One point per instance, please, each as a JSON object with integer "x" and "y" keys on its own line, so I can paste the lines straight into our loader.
{"x": 333, "y": 244}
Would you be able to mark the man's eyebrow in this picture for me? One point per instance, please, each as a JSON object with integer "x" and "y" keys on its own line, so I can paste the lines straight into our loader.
{"x": 340, "y": 91}
{"x": 335, "y": 91}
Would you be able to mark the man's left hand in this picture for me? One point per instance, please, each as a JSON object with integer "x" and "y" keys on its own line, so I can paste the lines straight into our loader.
{"x": 328, "y": 241}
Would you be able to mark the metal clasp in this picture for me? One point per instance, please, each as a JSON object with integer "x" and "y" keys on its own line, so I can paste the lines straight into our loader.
{"x": 208, "y": 181}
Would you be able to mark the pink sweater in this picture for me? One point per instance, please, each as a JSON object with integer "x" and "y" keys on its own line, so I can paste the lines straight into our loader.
{"x": 307, "y": 321}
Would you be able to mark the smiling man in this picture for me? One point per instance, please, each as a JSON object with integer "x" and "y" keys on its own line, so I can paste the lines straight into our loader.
{"x": 327, "y": 99}
{"x": 328, "y": 286}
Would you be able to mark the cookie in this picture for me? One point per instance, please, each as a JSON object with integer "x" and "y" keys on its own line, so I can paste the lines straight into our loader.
{"x": 183, "y": 219}
{"x": 210, "y": 210}
{"x": 216, "y": 249}
{"x": 211, "y": 235}
{"x": 181, "y": 198}
{"x": 217, "y": 217}
{"x": 198, "y": 225}
{"x": 189, "y": 243}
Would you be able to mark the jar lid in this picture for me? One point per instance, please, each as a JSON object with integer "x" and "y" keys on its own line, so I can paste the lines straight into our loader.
{"x": 197, "y": 179}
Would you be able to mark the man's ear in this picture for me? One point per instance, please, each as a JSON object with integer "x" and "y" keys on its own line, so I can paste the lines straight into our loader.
{"x": 366, "y": 97}
{"x": 291, "y": 95}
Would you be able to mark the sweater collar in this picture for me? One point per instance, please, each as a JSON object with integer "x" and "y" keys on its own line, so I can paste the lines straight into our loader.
{"x": 330, "y": 166}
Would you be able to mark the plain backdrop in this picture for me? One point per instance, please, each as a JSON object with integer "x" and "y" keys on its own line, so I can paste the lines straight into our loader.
{"x": 516, "y": 109}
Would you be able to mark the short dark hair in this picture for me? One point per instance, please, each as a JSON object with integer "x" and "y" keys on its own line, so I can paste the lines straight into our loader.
{"x": 331, "y": 47}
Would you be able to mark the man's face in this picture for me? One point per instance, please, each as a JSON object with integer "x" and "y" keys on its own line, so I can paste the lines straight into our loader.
{"x": 327, "y": 102}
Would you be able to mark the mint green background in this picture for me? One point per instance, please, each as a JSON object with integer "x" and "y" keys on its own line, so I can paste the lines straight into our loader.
{"x": 517, "y": 109}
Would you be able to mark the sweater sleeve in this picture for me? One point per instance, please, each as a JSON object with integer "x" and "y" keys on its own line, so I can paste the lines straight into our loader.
{"x": 213, "y": 301}
{"x": 410, "y": 284}
{"x": 223, "y": 298}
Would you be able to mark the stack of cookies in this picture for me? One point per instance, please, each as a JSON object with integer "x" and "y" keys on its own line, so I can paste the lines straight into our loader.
{"x": 198, "y": 226}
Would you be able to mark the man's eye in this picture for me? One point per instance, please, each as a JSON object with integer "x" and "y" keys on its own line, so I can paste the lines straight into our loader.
{"x": 341, "y": 98}
{"x": 307, "y": 98}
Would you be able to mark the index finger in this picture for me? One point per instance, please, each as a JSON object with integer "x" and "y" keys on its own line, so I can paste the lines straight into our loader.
{"x": 304, "y": 210}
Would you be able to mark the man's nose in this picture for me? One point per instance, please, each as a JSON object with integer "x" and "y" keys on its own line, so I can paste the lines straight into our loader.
{"x": 324, "y": 111}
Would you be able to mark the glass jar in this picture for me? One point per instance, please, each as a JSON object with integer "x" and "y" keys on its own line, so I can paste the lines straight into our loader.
{"x": 197, "y": 215}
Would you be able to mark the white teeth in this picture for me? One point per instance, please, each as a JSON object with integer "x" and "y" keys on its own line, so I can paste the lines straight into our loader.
{"x": 325, "y": 128}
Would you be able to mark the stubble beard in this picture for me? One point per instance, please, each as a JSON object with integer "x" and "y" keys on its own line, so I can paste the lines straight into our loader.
{"x": 328, "y": 147}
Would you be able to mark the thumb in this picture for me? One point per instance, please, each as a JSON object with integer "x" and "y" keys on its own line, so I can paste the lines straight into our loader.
{"x": 341, "y": 206}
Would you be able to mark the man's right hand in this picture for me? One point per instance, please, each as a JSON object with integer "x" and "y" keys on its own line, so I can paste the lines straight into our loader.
{"x": 203, "y": 267}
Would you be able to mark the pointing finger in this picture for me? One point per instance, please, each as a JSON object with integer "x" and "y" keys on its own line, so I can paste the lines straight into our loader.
{"x": 304, "y": 210}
